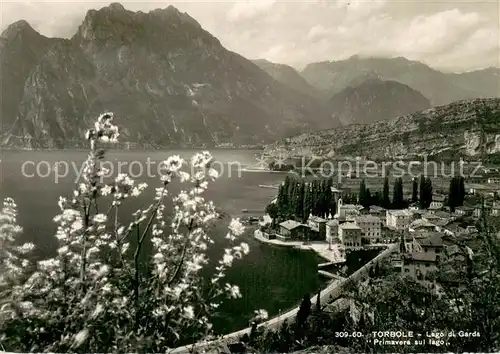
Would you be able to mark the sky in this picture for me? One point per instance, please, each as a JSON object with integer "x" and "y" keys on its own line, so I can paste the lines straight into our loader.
{"x": 449, "y": 35}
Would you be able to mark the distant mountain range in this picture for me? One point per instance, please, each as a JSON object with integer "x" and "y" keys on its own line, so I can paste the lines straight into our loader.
{"x": 440, "y": 88}
{"x": 169, "y": 82}
{"x": 290, "y": 77}
{"x": 375, "y": 100}
{"x": 467, "y": 129}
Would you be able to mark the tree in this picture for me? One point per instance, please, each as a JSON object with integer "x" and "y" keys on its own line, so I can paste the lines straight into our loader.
{"x": 304, "y": 311}
{"x": 414, "y": 195}
{"x": 299, "y": 208}
{"x": 363, "y": 198}
{"x": 386, "y": 201}
{"x": 398, "y": 197}
{"x": 426, "y": 192}
{"x": 307, "y": 203}
{"x": 273, "y": 212}
{"x": 456, "y": 193}
{"x": 101, "y": 291}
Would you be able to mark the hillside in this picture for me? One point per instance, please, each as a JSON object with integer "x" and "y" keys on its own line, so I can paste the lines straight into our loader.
{"x": 168, "y": 81}
{"x": 460, "y": 129}
{"x": 288, "y": 76}
{"x": 440, "y": 88}
{"x": 375, "y": 100}
{"x": 17, "y": 60}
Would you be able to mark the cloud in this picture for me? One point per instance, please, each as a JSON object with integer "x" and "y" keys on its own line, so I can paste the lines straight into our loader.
{"x": 442, "y": 34}
{"x": 249, "y": 10}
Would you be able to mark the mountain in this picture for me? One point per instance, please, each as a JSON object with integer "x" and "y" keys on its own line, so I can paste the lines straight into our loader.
{"x": 168, "y": 81}
{"x": 374, "y": 100}
{"x": 21, "y": 47}
{"x": 288, "y": 76}
{"x": 440, "y": 88}
{"x": 467, "y": 129}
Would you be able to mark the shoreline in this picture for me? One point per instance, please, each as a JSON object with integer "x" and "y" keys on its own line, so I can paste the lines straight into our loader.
{"x": 318, "y": 247}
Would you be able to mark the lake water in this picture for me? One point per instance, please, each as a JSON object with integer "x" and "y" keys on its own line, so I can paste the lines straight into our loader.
{"x": 272, "y": 278}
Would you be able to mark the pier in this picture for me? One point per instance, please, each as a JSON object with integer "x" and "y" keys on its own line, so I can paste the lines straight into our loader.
{"x": 330, "y": 275}
{"x": 322, "y": 265}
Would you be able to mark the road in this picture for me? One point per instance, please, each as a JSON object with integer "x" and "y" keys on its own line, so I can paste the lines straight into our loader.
{"x": 332, "y": 292}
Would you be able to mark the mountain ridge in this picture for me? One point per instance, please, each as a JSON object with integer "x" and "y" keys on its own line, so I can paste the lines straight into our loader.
{"x": 374, "y": 100}
{"x": 440, "y": 88}
{"x": 169, "y": 82}
{"x": 463, "y": 129}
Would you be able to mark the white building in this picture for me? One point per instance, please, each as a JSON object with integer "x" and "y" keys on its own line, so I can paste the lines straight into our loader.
{"x": 437, "y": 202}
{"x": 347, "y": 211}
{"x": 332, "y": 230}
{"x": 494, "y": 180}
{"x": 398, "y": 219}
{"x": 350, "y": 236}
{"x": 371, "y": 227}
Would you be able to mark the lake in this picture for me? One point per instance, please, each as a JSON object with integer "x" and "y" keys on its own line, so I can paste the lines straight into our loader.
{"x": 272, "y": 278}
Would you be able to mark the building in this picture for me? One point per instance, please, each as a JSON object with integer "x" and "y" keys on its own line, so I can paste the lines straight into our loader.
{"x": 332, "y": 230}
{"x": 437, "y": 201}
{"x": 347, "y": 212}
{"x": 376, "y": 210}
{"x": 430, "y": 217}
{"x": 433, "y": 209}
{"x": 422, "y": 225}
{"x": 432, "y": 244}
{"x": 350, "y": 236}
{"x": 418, "y": 266}
{"x": 495, "y": 210}
{"x": 398, "y": 219}
{"x": 464, "y": 210}
{"x": 494, "y": 180}
{"x": 317, "y": 226}
{"x": 371, "y": 227}
{"x": 478, "y": 210}
{"x": 292, "y": 230}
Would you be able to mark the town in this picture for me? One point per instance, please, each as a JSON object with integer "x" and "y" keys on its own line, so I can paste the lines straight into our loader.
{"x": 427, "y": 225}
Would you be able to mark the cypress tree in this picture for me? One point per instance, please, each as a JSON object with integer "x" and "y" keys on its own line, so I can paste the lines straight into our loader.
{"x": 304, "y": 311}
{"x": 369, "y": 198}
{"x": 307, "y": 203}
{"x": 362, "y": 192}
{"x": 299, "y": 207}
{"x": 422, "y": 197}
{"x": 398, "y": 197}
{"x": 414, "y": 195}
{"x": 386, "y": 202}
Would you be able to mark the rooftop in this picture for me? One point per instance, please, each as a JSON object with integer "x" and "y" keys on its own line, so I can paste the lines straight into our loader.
{"x": 434, "y": 207}
{"x": 422, "y": 257}
{"x": 442, "y": 214}
{"x": 430, "y": 216}
{"x": 438, "y": 198}
{"x": 349, "y": 226}
{"x": 376, "y": 208}
{"x": 403, "y": 212}
{"x": 368, "y": 218}
{"x": 316, "y": 219}
{"x": 435, "y": 240}
{"x": 332, "y": 223}
{"x": 421, "y": 223}
{"x": 291, "y": 224}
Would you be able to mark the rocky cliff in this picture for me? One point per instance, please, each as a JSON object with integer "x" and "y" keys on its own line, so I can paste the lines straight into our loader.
{"x": 168, "y": 81}
{"x": 375, "y": 100}
{"x": 468, "y": 129}
{"x": 440, "y": 88}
